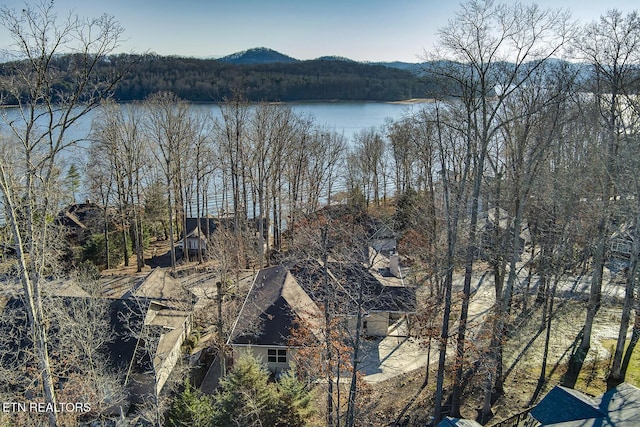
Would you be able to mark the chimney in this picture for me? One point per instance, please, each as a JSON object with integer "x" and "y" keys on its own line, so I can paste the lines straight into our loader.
{"x": 394, "y": 265}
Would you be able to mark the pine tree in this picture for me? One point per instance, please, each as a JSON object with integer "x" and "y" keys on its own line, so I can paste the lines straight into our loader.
{"x": 246, "y": 397}
{"x": 191, "y": 408}
{"x": 295, "y": 405}
{"x": 72, "y": 181}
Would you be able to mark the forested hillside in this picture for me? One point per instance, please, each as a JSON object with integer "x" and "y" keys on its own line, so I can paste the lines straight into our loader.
{"x": 208, "y": 80}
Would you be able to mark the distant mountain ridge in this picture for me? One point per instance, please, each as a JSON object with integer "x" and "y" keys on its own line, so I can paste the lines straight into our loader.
{"x": 258, "y": 55}
{"x": 264, "y": 55}
{"x": 258, "y": 75}
{"x": 264, "y": 74}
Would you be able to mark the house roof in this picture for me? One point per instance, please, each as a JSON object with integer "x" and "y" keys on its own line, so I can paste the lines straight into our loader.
{"x": 271, "y": 308}
{"x": 126, "y": 318}
{"x": 127, "y": 321}
{"x": 81, "y": 215}
{"x": 374, "y": 228}
{"x": 377, "y": 296}
{"x": 160, "y": 286}
{"x": 619, "y": 407}
{"x": 280, "y": 295}
{"x": 563, "y": 404}
{"x": 346, "y": 278}
{"x": 206, "y": 225}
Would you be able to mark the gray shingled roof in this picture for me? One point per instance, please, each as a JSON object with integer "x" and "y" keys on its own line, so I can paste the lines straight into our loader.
{"x": 345, "y": 279}
{"x": 281, "y": 294}
{"x": 619, "y": 407}
{"x": 564, "y": 404}
{"x": 271, "y": 308}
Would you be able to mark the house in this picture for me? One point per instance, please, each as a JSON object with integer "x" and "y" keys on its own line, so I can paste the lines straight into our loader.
{"x": 268, "y": 314}
{"x": 81, "y": 220}
{"x": 281, "y": 295}
{"x": 146, "y": 328}
{"x": 169, "y": 319}
{"x": 565, "y": 407}
{"x": 621, "y": 247}
{"x": 163, "y": 332}
{"x": 381, "y": 237}
{"x": 496, "y": 231}
{"x": 125, "y": 320}
{"x": 198, "y": 234}
{"x": 383, "y": 305}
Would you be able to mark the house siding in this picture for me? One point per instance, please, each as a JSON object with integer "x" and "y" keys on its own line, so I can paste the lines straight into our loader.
{"x": 377, "y": 324}
{"x": 374, "y": 324}
{"x": 261, "y": 353}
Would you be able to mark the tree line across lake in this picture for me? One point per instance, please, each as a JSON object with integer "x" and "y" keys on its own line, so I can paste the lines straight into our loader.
{"x": 209, "y": 80}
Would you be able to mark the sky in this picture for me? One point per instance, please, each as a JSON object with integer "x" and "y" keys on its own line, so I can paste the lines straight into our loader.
{"x": 362, "y": 30}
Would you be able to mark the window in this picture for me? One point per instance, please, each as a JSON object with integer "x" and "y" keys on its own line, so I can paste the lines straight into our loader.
{"x": 277, "y": 355}
{"x": 621, "y": 247}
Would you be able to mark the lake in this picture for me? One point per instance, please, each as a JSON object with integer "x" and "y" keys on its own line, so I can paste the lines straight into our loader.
{"x": 347, "y": 118}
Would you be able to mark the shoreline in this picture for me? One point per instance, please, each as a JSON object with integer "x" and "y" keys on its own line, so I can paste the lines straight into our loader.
{"x": 410, "y": 101}
{"x": 413, "y": 101}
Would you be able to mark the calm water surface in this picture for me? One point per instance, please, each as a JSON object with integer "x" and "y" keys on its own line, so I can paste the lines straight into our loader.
{"x": 347, "y": 118}
{"x": 344, "y": 117}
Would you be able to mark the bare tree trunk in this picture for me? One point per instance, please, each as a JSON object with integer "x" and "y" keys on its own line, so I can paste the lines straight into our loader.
{"x": 327, "y": 327}
{"x": 577, "y": 358}
{"x": 353, "y": 387}
{"x": 106, "y": 236}
{"x": 616, "y": 375}
{"x": 635, "y": 336}
{"x": 34, "y": 307}
{"x": 549, "y": 311}
{"x": 172, "y": 248}
{"x": 466, "y": 290}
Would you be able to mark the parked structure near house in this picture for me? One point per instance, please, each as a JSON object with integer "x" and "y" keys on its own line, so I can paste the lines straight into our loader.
{"x": 280, "y": 295}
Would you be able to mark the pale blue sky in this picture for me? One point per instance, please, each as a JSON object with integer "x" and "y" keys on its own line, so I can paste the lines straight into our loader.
{"x": 373, "y": 30}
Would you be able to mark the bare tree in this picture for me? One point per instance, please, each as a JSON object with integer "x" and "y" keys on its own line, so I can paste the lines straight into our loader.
{"x": 233, "y": 147}
{"x": 100, "y": 181}
{"x": 117, "y": 134}
{"x": 168, "y": 128}
{"x": 271, "y": 132}
{"x": 366, "y": 165}
{"x": 490, "y": 51}
{"x": 611, "y": 47}
{"x": 81, "y": 366}
{"x": 29, "y": 162}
